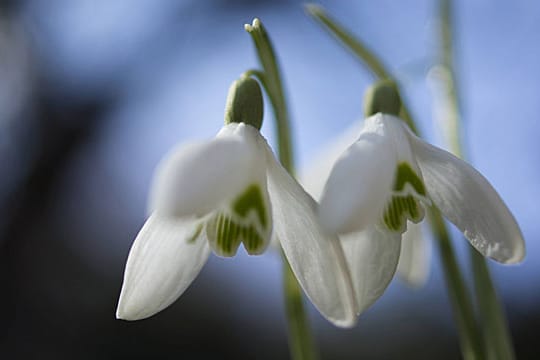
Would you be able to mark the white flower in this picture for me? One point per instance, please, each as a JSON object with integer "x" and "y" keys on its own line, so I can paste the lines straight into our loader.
{"x": 384, "y": 179}
{"x": 414, "y": 256}
{"x": 215, "y": 195}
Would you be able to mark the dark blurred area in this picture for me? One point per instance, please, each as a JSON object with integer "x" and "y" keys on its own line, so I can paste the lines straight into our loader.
{"x": 94, "y": 92}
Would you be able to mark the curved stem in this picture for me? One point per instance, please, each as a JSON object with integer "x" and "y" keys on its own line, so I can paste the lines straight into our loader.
{"x": 271, "y": 80}
{"x": 362, "y": 53}
{"x": 300, "y": 338}
{"x": 460, "y": 298}
{"x": 497, "y": 338}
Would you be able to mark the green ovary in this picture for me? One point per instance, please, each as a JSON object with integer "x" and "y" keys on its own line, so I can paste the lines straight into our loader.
{"x": 403, "y": 207}
{"x": 226, "y": 231}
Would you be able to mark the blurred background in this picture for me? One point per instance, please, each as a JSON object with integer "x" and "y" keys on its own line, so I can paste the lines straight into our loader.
{"x": 94, "y": 92}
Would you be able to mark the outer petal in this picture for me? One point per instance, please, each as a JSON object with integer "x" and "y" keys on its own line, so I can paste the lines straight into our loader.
{"x": 315, "y": 258}
{"x": 314, "y": 177}
{"x": 394, "y": 128}
{"x": 372, "y": 255}
{"x": 469, "y": 201}
{"x": 415, "y": 258}
{"x": 164, "y": 259}
{"x": 194, "y": 179}
{"x": 360, "y": 183}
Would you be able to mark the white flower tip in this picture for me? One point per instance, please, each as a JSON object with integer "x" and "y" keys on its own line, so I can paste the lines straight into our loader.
{"x": 131, "y": 308}
{"x": 161, "y": 264}
{"x": 507, "y": 256}
{"x": 517, "y": 258}
{"x": 345, "y": 323}
{"x": 122, "y": 314}
{"x": 255, "y": 24}
{"x": 130, "y": 315}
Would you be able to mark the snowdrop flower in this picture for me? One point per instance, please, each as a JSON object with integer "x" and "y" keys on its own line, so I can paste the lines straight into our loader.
{"x": 386, "y": 178}
{"x": 415, "y": 253}
{"x": 215, "y": 195}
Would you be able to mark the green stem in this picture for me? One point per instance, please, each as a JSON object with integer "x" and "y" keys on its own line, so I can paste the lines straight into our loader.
{"x": 300, "y": 341}
{"x": 452, "y": 117}
{"x": 361, "y": 51}
{"x": 469, "y": 337}
{"x": 497, "y": 338}
{"x": 300, "y": 338}
{"x": 271, "y": 80}
{"x": 460, "y": 298}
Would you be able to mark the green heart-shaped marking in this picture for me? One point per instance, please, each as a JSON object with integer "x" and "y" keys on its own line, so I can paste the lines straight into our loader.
{"x": 404, "y": 207}
{"x": 405, "y": 174}
{"x": 226, "y": 231}
{"x": 251, "y": 199}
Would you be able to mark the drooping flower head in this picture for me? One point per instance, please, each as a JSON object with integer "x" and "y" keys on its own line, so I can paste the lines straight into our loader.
{"x": 216, "y": 195}
{"x": 386, "y": 178}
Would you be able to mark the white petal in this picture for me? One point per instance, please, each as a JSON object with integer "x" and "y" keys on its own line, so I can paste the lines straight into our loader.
{"x": 195, "y": 178}
{"x": 314, "y": 177}
{"x": 372, "y": 256}
{"x": 165, "y": 258}
{"x": 469, "y": 201}
{"x": 315, "y": 258}
{"x": 395, "y": 129}
{"x": 415, "y": 258}
{"x": 247, "y": 216}
{"x": 360, "y": 183}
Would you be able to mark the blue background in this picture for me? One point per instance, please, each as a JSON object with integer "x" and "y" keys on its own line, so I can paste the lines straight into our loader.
{"x": 93, "y": 93}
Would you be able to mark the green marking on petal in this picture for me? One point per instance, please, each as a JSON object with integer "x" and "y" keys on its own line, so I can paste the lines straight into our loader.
{"x": 253, "y": 241}
{"x": 405, "y": 174}
{"x": 225, "y": 235}
{"x": 399, "y": 210}
{"x": 403, "y": 206}
{"x": 222, "y": 234}
{"x": 232, "y": 226}
{"x": 251, "y": 199}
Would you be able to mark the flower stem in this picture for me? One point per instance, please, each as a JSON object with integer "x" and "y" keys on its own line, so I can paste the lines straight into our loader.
{"x": 469, "y": 337}
{"x": 301, "y": 341}
{"x": 271, "y": 81}
{"x": 497, "y": 338}
{"x": 460, "y": 298}
{"x": 300, "y": 338}
{"x": 361, "y": 51}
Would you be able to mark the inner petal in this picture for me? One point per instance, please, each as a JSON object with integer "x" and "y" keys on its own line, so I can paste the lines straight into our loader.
{"x": 399, "y": 210}
{"x": 245, "y": 220}
{"x": 405, "y": 203}
{"x": 405, "y": 175}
